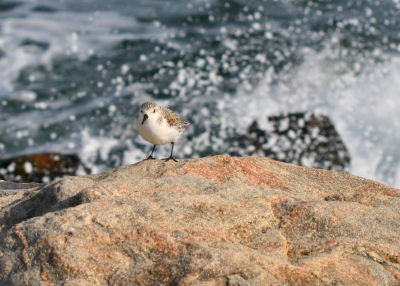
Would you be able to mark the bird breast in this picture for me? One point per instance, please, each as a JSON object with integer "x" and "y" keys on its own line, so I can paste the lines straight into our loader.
{"x": 157, "y": 132}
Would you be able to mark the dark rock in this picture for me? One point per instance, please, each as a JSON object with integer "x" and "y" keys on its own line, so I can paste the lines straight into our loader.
{"x": 300, "y": 138}
{"x": 40, "y": 167}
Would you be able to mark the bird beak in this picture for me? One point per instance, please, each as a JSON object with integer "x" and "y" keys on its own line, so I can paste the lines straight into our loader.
{"x": 145, "y": 118}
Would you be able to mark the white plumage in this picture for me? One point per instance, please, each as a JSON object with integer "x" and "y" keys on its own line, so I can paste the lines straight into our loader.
{"x": 159, "y": 126}
{"x": 155, "y": 132}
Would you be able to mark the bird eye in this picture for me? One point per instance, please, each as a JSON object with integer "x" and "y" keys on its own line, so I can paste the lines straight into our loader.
{"x": 154, "y": 111}
{"x": 141, "y": 111}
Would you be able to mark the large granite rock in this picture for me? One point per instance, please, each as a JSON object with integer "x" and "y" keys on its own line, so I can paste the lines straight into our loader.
{"x": 212, "y": 221}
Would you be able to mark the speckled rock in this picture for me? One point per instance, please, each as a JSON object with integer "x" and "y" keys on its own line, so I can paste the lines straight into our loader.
{"x": 301, "y": 138}
{"x": 212, "y": 221}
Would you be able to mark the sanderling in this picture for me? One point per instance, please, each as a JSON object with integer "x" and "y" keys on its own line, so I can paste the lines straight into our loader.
{"x": 159, "y": 125}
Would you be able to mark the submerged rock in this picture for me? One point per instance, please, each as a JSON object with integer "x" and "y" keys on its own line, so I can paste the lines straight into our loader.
{"x": 40, "y": 167}
{"x": 300, "y": 138}
{"x": 212, "y": 221}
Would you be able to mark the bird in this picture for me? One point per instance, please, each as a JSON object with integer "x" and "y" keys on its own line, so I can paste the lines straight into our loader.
{"x": 159, "y": 125}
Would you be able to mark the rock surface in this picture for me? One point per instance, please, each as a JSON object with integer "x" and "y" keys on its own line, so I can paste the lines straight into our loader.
{"x": 212, "y": 221}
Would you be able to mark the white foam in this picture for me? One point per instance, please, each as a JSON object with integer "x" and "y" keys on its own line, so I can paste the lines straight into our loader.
{"x": 363, "y": 106}
{"x": 92, "y": 146}
{"x": 28, "y": 167}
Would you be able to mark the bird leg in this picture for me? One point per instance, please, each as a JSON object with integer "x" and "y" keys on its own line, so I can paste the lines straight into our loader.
{"x": 170, "y": 156}
{"x": 151, "y": 154}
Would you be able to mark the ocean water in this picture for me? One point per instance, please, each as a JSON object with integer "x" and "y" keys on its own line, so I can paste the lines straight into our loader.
{"x": 74, "y": 73}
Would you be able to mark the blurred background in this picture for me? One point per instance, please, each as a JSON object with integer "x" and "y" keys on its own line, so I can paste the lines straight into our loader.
{"x": 310, "y": 82}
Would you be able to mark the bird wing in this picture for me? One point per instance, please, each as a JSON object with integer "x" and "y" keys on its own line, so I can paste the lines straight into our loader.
{"x": 173, "y": 118}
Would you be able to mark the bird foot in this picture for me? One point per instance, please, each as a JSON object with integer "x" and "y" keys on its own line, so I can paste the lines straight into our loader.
{"x": 170, "y": 158}
{"x": 150, "y": 158}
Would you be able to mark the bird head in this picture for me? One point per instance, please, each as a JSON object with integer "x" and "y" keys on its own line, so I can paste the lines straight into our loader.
{"x": 148, "y": 111}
